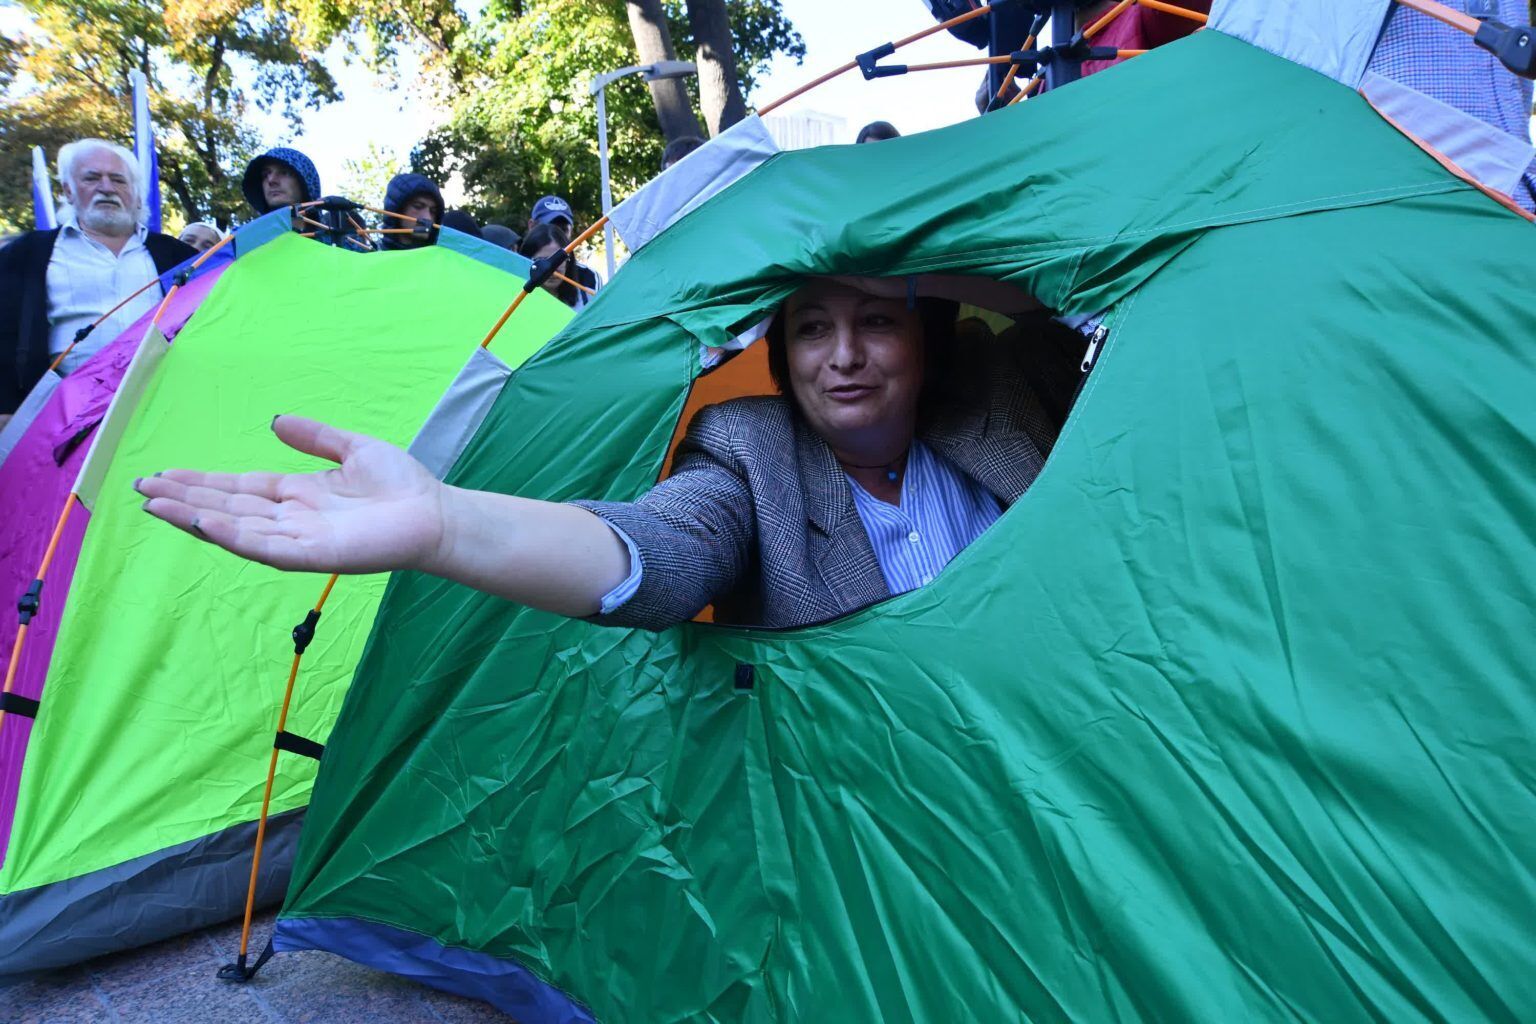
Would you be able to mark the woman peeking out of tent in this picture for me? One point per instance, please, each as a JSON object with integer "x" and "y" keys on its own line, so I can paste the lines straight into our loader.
{"x": 875, "y": 466}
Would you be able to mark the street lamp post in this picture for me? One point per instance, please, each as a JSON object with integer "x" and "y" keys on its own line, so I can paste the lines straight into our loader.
{"x": 651, "y": 73}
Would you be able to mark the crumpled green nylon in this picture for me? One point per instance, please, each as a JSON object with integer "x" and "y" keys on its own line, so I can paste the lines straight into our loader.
{"x": 1227, "y": 719}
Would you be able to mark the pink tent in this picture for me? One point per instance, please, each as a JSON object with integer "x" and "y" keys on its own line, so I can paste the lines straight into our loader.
{"x": 35, "y": 481}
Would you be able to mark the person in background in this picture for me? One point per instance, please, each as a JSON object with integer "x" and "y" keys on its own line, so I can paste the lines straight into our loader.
{"x": 1445, "y": 65}
{"x": 461, "y": 221}
{"x": 280, "y": 177}
{"x": 679, "y": 148}
{"x": 416, "y": 197}
{"x": 501, "y": 235}
{"x": 552, "y": 210}
{"x": 201, "y": 235}
{"x": 555, "y": 212}
{"x": 876, "y": 131}
{"x": 53, "y": 283}
{"x": 544, "y": 240}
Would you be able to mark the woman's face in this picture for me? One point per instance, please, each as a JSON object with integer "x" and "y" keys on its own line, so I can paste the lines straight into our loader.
{"x": 551, "y": 283}
{"x": 855, "y": 364}
{"x": 199, "y": 237}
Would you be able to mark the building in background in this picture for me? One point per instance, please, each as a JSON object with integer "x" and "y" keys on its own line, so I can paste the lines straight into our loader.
{"x": 807, "y": 128}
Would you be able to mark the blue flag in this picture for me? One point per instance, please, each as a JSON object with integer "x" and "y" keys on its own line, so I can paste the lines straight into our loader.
{"x": 42, "y": 192}
{"x": 144, "y": 150}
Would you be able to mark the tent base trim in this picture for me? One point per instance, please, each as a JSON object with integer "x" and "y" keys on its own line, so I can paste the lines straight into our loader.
{"x": 192, "y": 885}
{"x": 504, "y": 984}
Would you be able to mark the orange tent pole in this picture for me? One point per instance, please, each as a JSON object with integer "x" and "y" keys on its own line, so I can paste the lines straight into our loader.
{"x": 36, "y": 588}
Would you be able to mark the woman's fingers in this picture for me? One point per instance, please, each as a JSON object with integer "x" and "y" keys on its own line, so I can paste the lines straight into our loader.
{"x": 213, "y": 499}
{"x": 315, "y": 438}
{"x": 256, "y": 538}
{"x": 263, "y": 485}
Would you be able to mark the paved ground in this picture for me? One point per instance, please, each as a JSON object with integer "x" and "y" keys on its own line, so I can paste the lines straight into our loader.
{"x": 173, "y": 983}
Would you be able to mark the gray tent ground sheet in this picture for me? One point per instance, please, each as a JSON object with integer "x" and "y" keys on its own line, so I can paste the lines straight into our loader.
{"x": 173, "y": 982}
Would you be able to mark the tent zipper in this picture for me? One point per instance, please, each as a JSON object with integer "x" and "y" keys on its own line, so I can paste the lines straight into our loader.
{"x": 1095, "y": 345}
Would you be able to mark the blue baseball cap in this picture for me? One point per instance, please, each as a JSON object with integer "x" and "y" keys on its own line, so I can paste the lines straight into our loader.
{"x": 552, "y": 208}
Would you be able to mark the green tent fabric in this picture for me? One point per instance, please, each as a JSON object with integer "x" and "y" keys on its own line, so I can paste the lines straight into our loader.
{"x": 1226, "y": 719}
{"x": 156, "y": 729}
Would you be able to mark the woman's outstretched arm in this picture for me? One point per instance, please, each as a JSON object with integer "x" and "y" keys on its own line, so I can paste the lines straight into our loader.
{"x": 380, "y": 510}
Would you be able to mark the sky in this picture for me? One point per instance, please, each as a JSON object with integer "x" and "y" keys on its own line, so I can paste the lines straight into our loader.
{"x": 834, "y": 31}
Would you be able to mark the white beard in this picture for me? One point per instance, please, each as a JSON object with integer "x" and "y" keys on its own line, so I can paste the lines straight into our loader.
{"x": 104, "y": 219}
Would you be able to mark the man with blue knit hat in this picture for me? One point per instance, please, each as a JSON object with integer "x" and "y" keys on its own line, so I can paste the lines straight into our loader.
{"x": 280, "y": 177}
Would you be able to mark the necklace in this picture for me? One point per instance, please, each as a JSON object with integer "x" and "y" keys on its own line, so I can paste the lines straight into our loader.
{"x": 889, "y": 467}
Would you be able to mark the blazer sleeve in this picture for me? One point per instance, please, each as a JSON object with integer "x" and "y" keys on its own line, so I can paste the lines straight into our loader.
{"x": 695, "y": 531}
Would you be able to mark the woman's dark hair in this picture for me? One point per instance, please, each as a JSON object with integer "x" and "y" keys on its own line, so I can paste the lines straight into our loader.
{"x": 940, "y": 363}
{"x": 538, "y": 237}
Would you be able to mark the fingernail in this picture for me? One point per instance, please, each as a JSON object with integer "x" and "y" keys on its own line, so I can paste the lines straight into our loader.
{"x": 145, "y": 507}
{"x": 137, "y": 481}
{"x": 197, "y": 529}
{"x": 274, "y": 421}
{"x": 157, "y": 474}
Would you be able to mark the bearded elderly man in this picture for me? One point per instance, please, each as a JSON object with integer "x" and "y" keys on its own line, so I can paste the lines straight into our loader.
{"x": 52, "y": 283}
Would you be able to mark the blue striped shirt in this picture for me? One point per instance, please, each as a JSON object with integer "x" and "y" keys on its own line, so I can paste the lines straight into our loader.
{"x": 941, "y": 510}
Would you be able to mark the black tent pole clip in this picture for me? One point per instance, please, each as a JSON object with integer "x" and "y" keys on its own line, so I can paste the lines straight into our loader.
{"x": 871, "y": 68}
{"x": 1514, "y": 45}
{"x": 543, "y": 269}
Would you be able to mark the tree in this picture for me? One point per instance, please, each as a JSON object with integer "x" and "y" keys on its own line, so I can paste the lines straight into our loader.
{"x": 653, "y": 43}
{"x": 524, "y": 125}
{"x": 366, "y": 177}
{"x": 209, "y": 62}
{"x": 719, "y": 91}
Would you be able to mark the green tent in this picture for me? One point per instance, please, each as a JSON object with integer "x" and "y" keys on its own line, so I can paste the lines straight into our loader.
{"x": 1227, "y": 719}
{"x": 145, "y": 769}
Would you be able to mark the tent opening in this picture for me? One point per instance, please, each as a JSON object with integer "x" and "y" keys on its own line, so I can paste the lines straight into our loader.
{"x": 998, "y": 329}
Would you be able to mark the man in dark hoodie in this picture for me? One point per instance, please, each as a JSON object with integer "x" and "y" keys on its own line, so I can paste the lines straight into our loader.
{"x": 280, "y": 177}
{"x": 416, "y": 197}
{"x": 285, "y": 177}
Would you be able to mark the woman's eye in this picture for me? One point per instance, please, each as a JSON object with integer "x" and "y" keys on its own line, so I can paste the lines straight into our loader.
{"x": 811, "y": 329}
{"x": 878, "y": 320}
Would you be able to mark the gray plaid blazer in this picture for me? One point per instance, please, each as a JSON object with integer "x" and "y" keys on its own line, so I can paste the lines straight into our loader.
{"x": 758, "y": 518}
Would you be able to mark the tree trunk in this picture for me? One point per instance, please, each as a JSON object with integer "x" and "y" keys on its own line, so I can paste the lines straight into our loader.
{"x": 648, "y": 24}
{"x": 719, "y": 88}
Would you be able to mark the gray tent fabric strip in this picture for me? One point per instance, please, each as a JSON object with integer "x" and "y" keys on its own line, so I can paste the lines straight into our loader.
{"x": 459, "y": 413}
{"x": 1493, "y": 157}
{"x": 1334, "y": 37}
{"x": 28, "y": 411}
{"x": 192, "y": 885}
{"x": 693, "y": 181}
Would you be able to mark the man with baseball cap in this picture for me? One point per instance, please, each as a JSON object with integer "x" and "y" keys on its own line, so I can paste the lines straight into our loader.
{"x": 556, "y": 212}
{"x": 553, "y": 210}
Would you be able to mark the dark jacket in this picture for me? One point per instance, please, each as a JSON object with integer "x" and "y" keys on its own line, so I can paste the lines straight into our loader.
{"x": 24, "y": 306}
{"x": 758, "y": 518}
{"x": 401, "y": 189}
{"x": 298, "y": 163}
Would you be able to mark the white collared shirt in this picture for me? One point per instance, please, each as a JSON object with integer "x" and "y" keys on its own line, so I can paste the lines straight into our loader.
{"x": 85, "y": 279}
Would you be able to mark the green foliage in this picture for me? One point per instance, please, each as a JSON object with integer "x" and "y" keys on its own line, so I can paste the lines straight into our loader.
{"x": 514, "y": 76}
{"x": 209, "y": 63}
{"x": 525, "y": 125}
{"x": 365, "y": 178}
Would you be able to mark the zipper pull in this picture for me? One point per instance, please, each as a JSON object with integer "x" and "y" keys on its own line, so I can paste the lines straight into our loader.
{"x": 1095, "y": 345}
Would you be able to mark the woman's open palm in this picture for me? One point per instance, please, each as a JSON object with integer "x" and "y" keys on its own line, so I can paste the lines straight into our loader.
{"x": 379, "y": 510}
